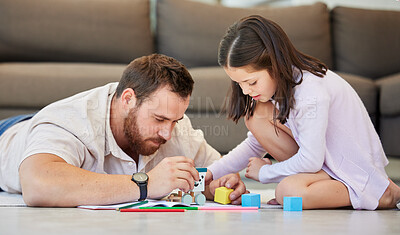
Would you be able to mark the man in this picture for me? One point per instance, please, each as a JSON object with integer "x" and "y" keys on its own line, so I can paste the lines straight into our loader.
{"x": 89, "y": 148}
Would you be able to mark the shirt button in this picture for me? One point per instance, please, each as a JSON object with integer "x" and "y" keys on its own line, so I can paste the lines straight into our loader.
{"x": 130, "y": 163}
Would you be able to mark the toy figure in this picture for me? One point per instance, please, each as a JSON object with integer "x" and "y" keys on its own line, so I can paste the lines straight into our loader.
{"x": 194, "y": 195}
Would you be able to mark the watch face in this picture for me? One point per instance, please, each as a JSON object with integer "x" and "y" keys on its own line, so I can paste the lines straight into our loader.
{"x": 140, "y": 177}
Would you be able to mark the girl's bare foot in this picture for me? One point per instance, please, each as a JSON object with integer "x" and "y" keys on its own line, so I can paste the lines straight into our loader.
{"x": 273, "y": 202}
{"x": 391, "y": 197}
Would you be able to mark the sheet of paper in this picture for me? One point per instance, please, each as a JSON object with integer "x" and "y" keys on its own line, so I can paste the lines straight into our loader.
{"x": 11, "y": 200}
{"x": 152, "y": 203}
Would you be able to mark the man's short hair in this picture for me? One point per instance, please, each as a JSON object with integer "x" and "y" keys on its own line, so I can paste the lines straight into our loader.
{"x": 147, "y": 74}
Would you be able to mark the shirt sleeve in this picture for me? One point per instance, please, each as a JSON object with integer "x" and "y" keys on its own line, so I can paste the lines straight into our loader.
{"x": 237, "y": 159}
{"x": 206, "y": 155}
{"x": 52, "y": 139}
{"x": 310, "y": 119}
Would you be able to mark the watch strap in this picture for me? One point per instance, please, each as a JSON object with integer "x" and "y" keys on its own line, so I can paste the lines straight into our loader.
{"x": 143, "y": 191}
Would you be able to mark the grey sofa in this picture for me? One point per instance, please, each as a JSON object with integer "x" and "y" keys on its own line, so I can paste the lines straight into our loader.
{"x": 53, "y": 49}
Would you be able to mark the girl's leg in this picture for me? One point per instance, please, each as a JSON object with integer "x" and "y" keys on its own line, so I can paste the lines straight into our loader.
{"x": 318, "y": 190}
{"x": 281, "y": 146}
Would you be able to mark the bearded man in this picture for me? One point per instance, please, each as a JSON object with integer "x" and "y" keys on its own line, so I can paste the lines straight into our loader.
{"x": 120, "y": 142}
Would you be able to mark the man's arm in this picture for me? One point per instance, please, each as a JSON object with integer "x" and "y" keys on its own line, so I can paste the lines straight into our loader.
{"x": 47, "y": 180}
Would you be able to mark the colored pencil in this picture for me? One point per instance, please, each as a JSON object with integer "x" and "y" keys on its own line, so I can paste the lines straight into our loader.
{"x": 227, "y": 208}
{"x": 169, "y": 208}
{"x": 152, "y": 210}
{"x": 132, "y": 205}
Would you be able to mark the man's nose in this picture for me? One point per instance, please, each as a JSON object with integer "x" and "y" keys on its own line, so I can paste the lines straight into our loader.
{"x": 165, "y": 132}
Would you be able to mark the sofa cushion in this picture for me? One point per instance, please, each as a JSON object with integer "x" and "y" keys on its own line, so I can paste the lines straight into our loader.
{"x": 389, "y": 101}
{"x": 366, "y": 89}
{"x": 211, "y": 85}
{"x": 34, "y": 85}
{"x": 366, "y": 42}
{"x": 9, "y": 112}
{"x": 191, "y": 31}
{"x": 220, "y": 133}
{"x": 389, "y": 132}
{"x": 75, "y": 31}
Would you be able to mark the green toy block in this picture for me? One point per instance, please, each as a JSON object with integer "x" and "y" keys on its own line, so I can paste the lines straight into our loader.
{"x": 222, "y": 195}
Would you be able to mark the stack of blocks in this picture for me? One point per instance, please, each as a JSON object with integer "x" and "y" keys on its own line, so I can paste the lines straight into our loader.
{"x": 222, "y": 195}
{"x": 292, "y": 204}
{"x": 251, "y": 200}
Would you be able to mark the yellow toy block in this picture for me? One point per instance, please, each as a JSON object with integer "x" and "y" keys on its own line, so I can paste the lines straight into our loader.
{"x": 222, "y": 195}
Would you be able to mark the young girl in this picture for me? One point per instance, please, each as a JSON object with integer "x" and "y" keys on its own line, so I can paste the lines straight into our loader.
{"x": 306, "y": 117}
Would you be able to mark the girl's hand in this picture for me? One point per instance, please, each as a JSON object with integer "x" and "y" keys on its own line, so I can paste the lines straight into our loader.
{"x": 232, "y": 181}
{"x": 254, "y": 166}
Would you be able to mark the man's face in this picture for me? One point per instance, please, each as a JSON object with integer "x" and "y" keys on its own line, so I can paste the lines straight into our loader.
{"x": 149, "y": 126}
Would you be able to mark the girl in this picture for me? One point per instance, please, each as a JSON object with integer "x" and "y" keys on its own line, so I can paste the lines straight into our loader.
{"x": 306, "y": 117}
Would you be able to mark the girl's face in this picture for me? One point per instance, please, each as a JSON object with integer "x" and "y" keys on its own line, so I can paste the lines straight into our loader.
{"x": 257, "y": 84}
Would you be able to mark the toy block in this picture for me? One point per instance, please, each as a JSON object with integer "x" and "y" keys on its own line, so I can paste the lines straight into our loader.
{"x": 251, "y": 200}
{"x": 292, "y": 204}
{"x": 222, "y": 195}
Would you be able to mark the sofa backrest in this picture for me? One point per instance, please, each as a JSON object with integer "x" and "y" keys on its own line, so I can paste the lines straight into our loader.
{"x": 191, "y": 31}
{"x": 366, "y": 42}
{"x": 114, "y": 31}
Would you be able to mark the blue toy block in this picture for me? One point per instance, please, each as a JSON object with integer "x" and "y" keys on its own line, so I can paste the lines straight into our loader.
{"x": 251, "y": 200}
{"x": 292, "y": 204}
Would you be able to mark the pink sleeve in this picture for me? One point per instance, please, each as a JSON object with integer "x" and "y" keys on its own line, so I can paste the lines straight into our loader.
{"x": 310, "y": 121}
{"x": 237, "y": 159}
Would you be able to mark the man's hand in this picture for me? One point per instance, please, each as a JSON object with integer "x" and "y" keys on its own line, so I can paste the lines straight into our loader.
{"x": 254, "y": 166}
{"x": 172, "y": 173}
{"x": 231, "y": 181}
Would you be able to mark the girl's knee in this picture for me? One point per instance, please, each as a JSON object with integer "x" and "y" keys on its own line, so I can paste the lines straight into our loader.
{"x": 263, "y": 112}
{"x": 249, "y": 122}
{"x": 289, "y": 187}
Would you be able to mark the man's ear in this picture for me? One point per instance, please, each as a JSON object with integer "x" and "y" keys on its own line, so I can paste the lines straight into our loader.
{"x": 128, "y": 98}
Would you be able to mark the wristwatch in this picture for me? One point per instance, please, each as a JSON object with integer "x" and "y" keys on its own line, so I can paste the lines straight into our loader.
{"x": 141, "y": 180}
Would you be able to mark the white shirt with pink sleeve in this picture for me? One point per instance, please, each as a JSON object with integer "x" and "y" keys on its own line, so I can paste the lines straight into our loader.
{"x": 334, "y": 132}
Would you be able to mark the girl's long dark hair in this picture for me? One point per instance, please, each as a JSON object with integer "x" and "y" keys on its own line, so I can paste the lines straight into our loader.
{"x": 262, "y": 44}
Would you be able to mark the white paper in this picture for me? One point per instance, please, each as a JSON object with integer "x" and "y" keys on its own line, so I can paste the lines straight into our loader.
{"x": 154, "y": 203}
{"x": 11, "y": 200}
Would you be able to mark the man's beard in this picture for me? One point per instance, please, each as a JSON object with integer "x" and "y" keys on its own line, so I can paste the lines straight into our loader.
{"x": 135, "y": 138}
